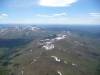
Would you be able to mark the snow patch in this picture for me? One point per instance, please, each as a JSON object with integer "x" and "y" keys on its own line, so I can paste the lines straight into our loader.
{"x": 73, "y": 64}
{"x": 56, "y": 58}
{"x": 34, "y": 60}
{"x": 22, "y": 72}
{"x": 59, "y": 72}
{"x": 60, "y": 37}
{"x": 65, "y": 62}
{"x": 34, "y": 28}
{"x": 48, "y": 46}
{"x": 31, "y": 50}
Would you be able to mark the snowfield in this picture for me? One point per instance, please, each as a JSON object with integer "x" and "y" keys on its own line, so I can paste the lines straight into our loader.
{"x": 48, "y": 46}
{"x": 48, "y": 43}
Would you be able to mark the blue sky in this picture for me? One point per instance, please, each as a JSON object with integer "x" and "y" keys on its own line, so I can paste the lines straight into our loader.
{"x": 50, "y": 11}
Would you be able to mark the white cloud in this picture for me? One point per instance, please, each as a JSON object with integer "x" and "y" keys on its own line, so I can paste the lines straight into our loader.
{"x": 43, "y": 15}
{"x": 3, "y": 15}
{"x": 56, "y": 3}
{"x": 94, "y": 14}
{"x": 60, "y": 14}
{"x": 53, "y": 15}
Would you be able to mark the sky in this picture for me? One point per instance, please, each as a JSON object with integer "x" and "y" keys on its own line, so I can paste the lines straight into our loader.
{"x": 50, "y": 12}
